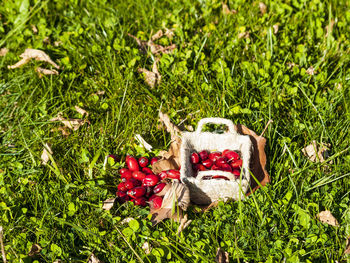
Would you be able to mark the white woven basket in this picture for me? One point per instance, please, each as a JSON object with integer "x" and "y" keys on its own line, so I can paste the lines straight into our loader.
{"x": 208, "y": 191}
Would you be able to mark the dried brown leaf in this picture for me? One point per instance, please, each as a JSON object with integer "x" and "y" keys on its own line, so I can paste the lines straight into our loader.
{"x": 328, "y": 218}
{"x": 262, "y": 8}
{"x": 94, "y": 259}
{"x": 147, "y": 248}
{"x": 153, "y": 47}
{"x": 184, "y": 223}
{"x": 34, "y": 29}
{"x": 170, "y": 127}
{"x": 221, "y": 256}
{"x": 347, "y": 247}
{"x": 170, "y": 159}
{"x": 108, "y": 204}
{"x": 81, "y": 111}
{"x": 3, "y": 52}
{"x": 275, "y": 28}
{"x": 35, "y": 250}
{"x": 152, "y": 78}
{"x": 315, "y": 153}
{"x": 258, "y": 158}
{"x": 311, "y": 71}
{"x": 175, "y": 201}
{"x": 44, "y": 71}
{"x": 143, "y": 142}
{"x": 169, "y": 33}
{"x": 329, "y": 27}
{"x": 244, "y": 35}
{"x": 47, "y": 151}
{"x": 73, "y": 124}
{"x": 157, "y": 35}
{"x": 227, "y": 11}
{"x": 36, "y": 54}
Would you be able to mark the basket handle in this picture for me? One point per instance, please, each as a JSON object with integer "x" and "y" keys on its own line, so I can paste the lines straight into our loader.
{"x": 228, "y": 123}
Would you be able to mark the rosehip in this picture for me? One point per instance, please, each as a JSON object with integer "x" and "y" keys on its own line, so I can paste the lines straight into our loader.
{"x": 232, "y": 156}
{"x": 138, "y": 175}
{"x": 163, "y": 175}
{"x": 143, "y": 161}
{"x": 158, "y": 188}
{"x": 195, "y": 158}
{"x": 141, "y": 201}
{"x": 220, "y": 161}
{"x": 137, "y": 192}
{"x": 132, "y": 163}
{"x": 154, "y": 160}
{"x": 237, "y": 172}
{"x": 126, "y": 175}
{"x": 147, "y": 170}
{"x": 122, "y": 187}
{"x": 207, "y": 163}
{"x": 214, "y": 156}
{"x": 150, "y": 180}
{"x": 122, "y": 197}
{"x": 225, "y": 151}
{"x": 149, "y": 191}
{"x": 204, "y": 155}
{"x": 156, "y": 202}
{"x": 123, "y": 171}
{"x": 200, "y": 167}
{"x": 237, "y": 164}
{"x": 215, "y": 167}
{"x": 121, "y": 194}
{"x": 131, "y": 183}
{"x": 226, "y": 167}
{"x": 114, "y": 157}
{"x": 173, "y": 174}
{"x": 152, "y": 197}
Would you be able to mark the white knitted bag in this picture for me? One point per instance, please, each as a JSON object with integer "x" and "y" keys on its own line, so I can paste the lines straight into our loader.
{"x": 207, "y": 191}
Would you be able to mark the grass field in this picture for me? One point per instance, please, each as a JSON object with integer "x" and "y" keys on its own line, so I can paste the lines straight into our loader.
{"x": 286, "y": 60}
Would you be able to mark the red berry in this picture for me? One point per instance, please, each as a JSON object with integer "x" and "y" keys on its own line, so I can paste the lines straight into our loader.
{"x": 158, "y": 188}
{"x": 237, "y": 172}
{"x": 215, "y": 167}
{"x": 122, "y": 187}
{"x": 147, "y": 170}
{"x": 141, "y": 201}
{"x": 173, "y": 174}
{"x": 143, "y": 161}
{"x": 126, "y": 175}
{"x": 232, "y": 156}
{"x": 132, "y": 163}
{"x": 236, "y": 164}
{"x": 220, "y": 161}
{"x": 122, "y": 197}
{"x": 154, "y": 160}
{"x": 200, "y": 167}
{"x": 152, "y": 197}
{"x": 131, "y": 183}
{"x": 121, "y": 194}
{"x": 138, "y": 175}
{"x": 150, "y": 180}
{"x": 149, "y": 191}
{"x": 123, "y": 171}
{"x": 137, "y": 192}
{"x": 156, "y": 202}
{"x": 195, "y": 158}
{"x": 208, "y": 163}
{"x": 225, "y": 151}
{"x": 163, "y": 175}
{"x": 204, "y": 155}
{"x": 214, "y": 156}
{"x": 226, "y": 167}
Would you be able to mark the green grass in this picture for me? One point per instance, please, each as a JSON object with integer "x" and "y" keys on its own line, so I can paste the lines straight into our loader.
{"x": 211, "y": 73}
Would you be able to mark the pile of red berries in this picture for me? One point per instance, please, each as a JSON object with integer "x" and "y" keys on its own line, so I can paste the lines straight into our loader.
{"x": 140, "y": 185}
{"x": 228, "y": 161}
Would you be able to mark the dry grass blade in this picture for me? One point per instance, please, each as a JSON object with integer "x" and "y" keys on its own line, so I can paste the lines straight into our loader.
{"x": 262, "y": 8}
{"x": 108, "y": 204}
{"x": 157, "y": 35}
{"x": 347, "y": 247}
{"x": 43, "y": 71}
{"x": 311, "y": 71}
{"x": 328, "y": 218}
{"x": 227, "y": 11}
{"x": 143, "y": 142}
{"x": 3, "y": 52}
{"x": 221, "y": 256}
{"x": 184, "y": 223}
{"x": 81, "y": 111}
{"x": 94, "y": 259}
{"x": 3, "y": 254}
{"x": 169, "y": 33}
{"x": 45, "y": 156}
{"x": 36, "y": 54}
